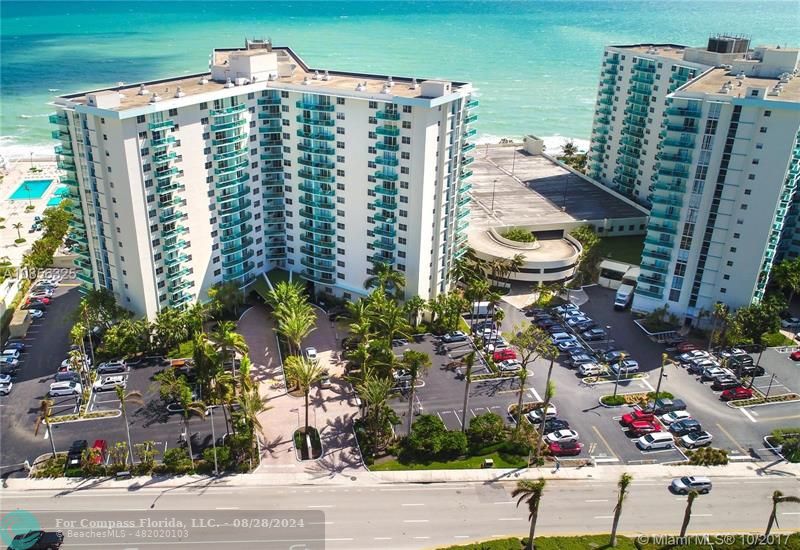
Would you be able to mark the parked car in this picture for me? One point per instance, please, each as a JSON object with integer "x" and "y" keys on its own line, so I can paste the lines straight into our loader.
{"x": 566, "y": 308}
{"x": 535, "y": 416}
{"x": 37, "y": 540}
{"x": 42, "y": 299}
{"x": 561, "y": 337}
{"x": 112, "y": 367}
{"x": 694, "y": 354}
{"x": 325, "y": 380}
{"x": 615, "y": 355}
{"x": 639, "y": 428}
{"x": 107, "y": 383}
{"x": 546, "y": 323}
{"x": 795, "y": 355}
{"x": 590, "y": 369}
{"x": 311, "y": 354}
{"x": 654, "y": 441}
{"x": 739, "y": 392}
{"x": 682, "y": 485}
{"x": 593, "y": 334}
{"x": 10, "y": 352}
{"x": 575, "y": 321}
{"x": 9, "y": 368}
{"x": 725, "y": 383}
{"x": 5, "y": 387}
{"x": 673, "y": 417}
{"x": 555, "y": 329}
{"x": 565, "y": 448}
{"x": 504, "y": 354}
{"x": 696, "y": 439}
{"x": 452, "y": 337}
{"x": 580, "y": 358}
{"x": 68, "y": 376}
{"x": 75, "y": 453}
{"x": 698, "y": 366}
{"x": 9, "y": 362}
{"x": 36, "y": 313}
{"x": 627, "y": 366}
{"x": 636, "y": 416}
{"x": 509, "y": 365}
{"x": 567, "y": 346}
{"x": 683, "y": 347}
{"x": 41, "y": 291}
{"x": 664, "y": 406}
{"x": 102, "y": 450}
{"x": 585, "y": 325}
{"x": 790, "y": 323}
{"x": 685, "y": 426}
{"x": 33, "y": 305}
{"x": 5, "y": 378}
{"x": 402, "y": 375}
{"x": 15, "y": 344}
{"x": 709, "y": 373}
{"x": 58, "y": 389}
{"x": 560, "y": 436}
{"x": 555, "y": 424}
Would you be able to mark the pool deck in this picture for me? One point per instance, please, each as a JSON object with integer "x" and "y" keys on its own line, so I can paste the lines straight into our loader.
{"x": 14, "y": 210}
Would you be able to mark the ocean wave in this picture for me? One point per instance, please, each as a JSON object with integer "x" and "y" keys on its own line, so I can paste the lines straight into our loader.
{"x": 11, "y": 149}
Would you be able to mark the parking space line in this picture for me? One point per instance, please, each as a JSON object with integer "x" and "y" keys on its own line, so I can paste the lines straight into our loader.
{"x": 729, "y": 436}
{"x": 460, "y": 422}
{"x": 747, "y": 414}
{"x": 535, "y": 394}
{"x": 646, "y": 383}
{"x": 603, "y": 439}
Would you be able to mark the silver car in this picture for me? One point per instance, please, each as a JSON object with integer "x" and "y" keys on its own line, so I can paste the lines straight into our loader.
{"x": 682, "y": 485}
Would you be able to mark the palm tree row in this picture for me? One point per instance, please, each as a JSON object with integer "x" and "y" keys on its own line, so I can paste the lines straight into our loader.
{"x": 294, "y": 315}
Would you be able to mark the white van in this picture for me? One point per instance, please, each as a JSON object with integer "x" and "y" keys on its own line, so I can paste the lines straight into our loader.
{"x": 655, "y": 440}
{"x": 624, "y": 297}
{"x": 64, "y": 388}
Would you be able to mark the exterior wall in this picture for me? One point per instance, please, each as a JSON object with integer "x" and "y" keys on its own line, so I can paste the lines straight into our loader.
{"x": 182, "y": 194}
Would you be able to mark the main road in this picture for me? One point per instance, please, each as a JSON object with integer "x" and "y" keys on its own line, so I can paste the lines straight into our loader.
{"x": 369, "y": 516}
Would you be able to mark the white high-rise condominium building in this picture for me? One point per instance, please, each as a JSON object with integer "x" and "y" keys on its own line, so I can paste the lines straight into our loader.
{"x": 263, "y": 162}
{"x": 717, "y": 157}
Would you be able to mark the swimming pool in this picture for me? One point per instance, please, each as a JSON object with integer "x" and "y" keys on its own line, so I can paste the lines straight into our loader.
{"x": 59, "y": 195}
{"x": 30, "y": 189}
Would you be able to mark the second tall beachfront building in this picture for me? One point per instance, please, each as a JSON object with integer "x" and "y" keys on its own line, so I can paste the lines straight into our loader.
{"x": 263, "y": 162}
{"x": 708, "y": 139}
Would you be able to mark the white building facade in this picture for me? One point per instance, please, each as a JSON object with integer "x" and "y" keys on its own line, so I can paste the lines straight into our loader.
{"x": 265, "y": 163}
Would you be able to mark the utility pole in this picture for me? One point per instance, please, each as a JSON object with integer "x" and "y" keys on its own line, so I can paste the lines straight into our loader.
{"x": 770, "y": 386}
{"x": 494, "y": 184}
{"x": 661, "y": 374}
{"x": 514, "y": 161}
{"x": 214, "y": 440}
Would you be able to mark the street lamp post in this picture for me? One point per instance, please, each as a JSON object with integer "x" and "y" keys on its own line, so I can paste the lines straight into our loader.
{"x": 214, "y": 440}
{"x": 660, "y": 375}
{"x": 771, "y": 380}
{"x": 608, "y": 336}
{"x": 513, "y": 161}
{"x": 494, "y": 184}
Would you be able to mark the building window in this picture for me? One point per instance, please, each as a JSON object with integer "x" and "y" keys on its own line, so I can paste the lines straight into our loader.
{"x": 406, "y": 108}
{"x": 340, "y": 101}
{"x": 140, "y": 119}
{"x": 763, "y": 129}
{"x": 173, "y": 112}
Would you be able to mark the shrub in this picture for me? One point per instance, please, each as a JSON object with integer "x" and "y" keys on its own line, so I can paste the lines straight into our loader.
{"x": 519, "y": 235}
{"x": 789, "y": 439}
{"x": 485, "y": 429}
{"x": 776, "y": 339}
{"x": 223, "y": 457}
{"x": 425, "y": 439}
{"x": 454, "y": 444}
{"x": 613, "y": 400}
{"x": 177, "y": 460}
{"x": 708, "y": 456}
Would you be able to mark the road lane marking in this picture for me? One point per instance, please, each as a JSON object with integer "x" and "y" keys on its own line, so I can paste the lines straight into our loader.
{"x": 612, "y": 517}
{"x": 790, "y": 513}
{"x": 729, "y": 436}
{"x": 747, "y": 414}
{"x": 509, "y": 519}
{"x": 416, "y": 520}
{"x": 535, "y": 394}
{"x": 597, "y": 500}
{"x": 320, "y": 506}
{"x": 227, "y": 508}
{"x": 422, "y": 538}
{"x": 381, "y": 538}
{"x": 505, "y": 502}
{"x": 701, "y": 515}
{"x": 412, "y": 504}
{"x": 603, "y": 439}
{"x": 460, "y": 536}
{"x": 646, "y": 383}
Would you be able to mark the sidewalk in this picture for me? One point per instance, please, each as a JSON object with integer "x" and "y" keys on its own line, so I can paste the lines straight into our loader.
{"x": 608, "y": 474}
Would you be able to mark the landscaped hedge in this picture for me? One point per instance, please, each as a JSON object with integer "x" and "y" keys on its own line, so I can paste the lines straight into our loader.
{"x": 707, "y": 456}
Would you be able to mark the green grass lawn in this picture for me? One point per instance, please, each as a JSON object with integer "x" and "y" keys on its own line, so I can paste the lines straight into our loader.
{"x": 501, "y": 460}
{"x": 277, "y": 275}
{"x": 622, "y": 249}
{"x": 260, "y": 286}
{"x": 183, "y": 351}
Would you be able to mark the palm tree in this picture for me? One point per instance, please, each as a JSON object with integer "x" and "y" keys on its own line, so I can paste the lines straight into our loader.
{"x": 623, "y": 484}
{"x": 477, "y": 290}
{"x": 786, "y": 275}
{"x": 413, "y": 307}
{"x": 417, "y": 363}
{"x": 229, "y": 340}
{"x": 778, "y": 498}
{"x": 569, "y": 149}
{"x": 45, "y": 414}
{"x": 392, "y": 322}
{"x": 718, "y": 317}
{"x": 516, "y": 263}
{"x": 522, "y": 374}
{"x": 296, "y": 326}
{"x": 251, "y": 404}
{"x": 386, "y": 279}
{"x": 124, "y": 399}
{"x": 375, "y": 391}
{"x": 551, "y": 352}
{"x": 206, "y": 359}
{"x": 220, "y": 385}
{"x": 18, "y": 226}
{"x": 531, "y": 493}
{"x": 190, "y": 407}
{"x": 305, "y": 374}
{"x": 687, "y": 514}
{"x": 469, "y": 360}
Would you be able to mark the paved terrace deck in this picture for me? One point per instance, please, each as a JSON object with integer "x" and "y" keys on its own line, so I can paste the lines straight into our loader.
{"x": 712, "y": 82}
{"x": 537, "y": 193}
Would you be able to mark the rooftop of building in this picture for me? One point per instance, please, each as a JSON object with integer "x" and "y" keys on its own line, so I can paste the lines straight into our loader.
{"x": 292, "y": 70}
{"x": 540, "y": 192}
{"x": 716, "y": 80}
{"x": 673, "y": 51}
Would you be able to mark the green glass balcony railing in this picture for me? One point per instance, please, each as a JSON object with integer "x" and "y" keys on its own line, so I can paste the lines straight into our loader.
{"x": 657, "y": 267}
{"x": 465, "y": 188}
{"x": 381, "y": 175}
{"x": 274, "y": 129}
{"x": 469, "y": 133}
{"x": 465, "y": 174}
{"x": 174, "y": 231}
{"x": 320, "y": 253}
{"x": 271, "y": 140}
{"x": 324, "y": 136}
{"x": 318, "y": 216}
{"x": 179, "y": 285}
{"x": 316, "y": 149}
{"x": 387, "y": 115}
{"x": 236, "y": 221}
{"x": 240, "y": 108}
{"x": 467, "y": 148}
{"x": 317, "y": 278}
{"x": 382, "y": 146}
{"x": 306, "y": 106}
{"x": 684, "y": 112}
{"x": 470, "y": 119}
{"x": 173, "y": 274}
{"x": 178, "y": 244}
{"x": 274, "y": 206}
{"x": 237, "y": 259}
{"x": 658, "y": 253}
{"x": 239, "y": 272}
{"x": 385, "y": 232}
{"x": 164, "y": 157}
{"x": 382, "y": 203}
{"x": 227, "y": 183}
{"x": 230, "y": 155}
{"x": 388, "y": 191}
{"x": 228, "y": 125}
{"x": 318, "y": 265}
{"x": 317, "y": 203}
{"x": 271, "y": 156}
{"x": 384, "y": 245}
{"x": 171, "y": 202}
{"x": 382, "y": 259}
{"x": 311, "y": 175}
{"x": 231, "y": 167}
{"x": 663, "y": 228}
{"x": 237, "y": 206}
{"x": 269, "y": 101}
{"x": 169, "y": 186}
{"x": 472, "y": 103}
{"x": 233, "y": 195}
{"x": 392, "y": 131}
{"x": 320, "y": 229}
{"x": 316, "y": 163}
{"x": 311, "y": 238}
{"x": 171, "y": 217}
{"x": 314, "y": 121}
{"x": 682, "y": 128}
{"x": 161, "y": 174}
{"x": 231, "y": 235}
{"x": 164, "y": 124}
{"x": 269, "y": 115}
{"x": 384, "y": 218}
{"x": 229, "y": 139}
{"x": 386, "y": 161}
{"x": 176, "y": 259}
{"x": 317, "y": 189}
{"x": 162, "y": 142}
{"x": 86, "y": 277}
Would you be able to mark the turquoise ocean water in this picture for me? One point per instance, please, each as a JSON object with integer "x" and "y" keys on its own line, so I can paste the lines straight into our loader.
{"x": 534, "y": 63}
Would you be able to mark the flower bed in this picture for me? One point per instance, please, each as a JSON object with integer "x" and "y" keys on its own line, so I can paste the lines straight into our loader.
{"x": 764, "y": 400}
{"x": 526, "y": 407}
{"x": 301, "y": 447}
{"x": 638, "y": 398}
{"x": 611, "y": 378}
{"x": 88, "y": 416}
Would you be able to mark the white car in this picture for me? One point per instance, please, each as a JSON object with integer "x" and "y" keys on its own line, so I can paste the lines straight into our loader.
{"x": 311, "y": 353}
{"x": 109, "y": 383}
{"x": 5, "y": 378}
{"x": 9, "y": 362}
{"x": 509, "y": 365}
{"x": 674, "y": 416}
{"x": 561, "y": 337}
{"x": 628, "y": 366}
{"x": 696, "y": 439}
{"x": 67, "y": 363}
{"x": 577, "y": 319}
{"x": 590, "y": 369}
{"x": 36, "y": 313}
{"x": 562, "y": 436}
{"x": 5, "y": 388}
{"x": 42, "y": 291}
{"x": 65, "y": 388}
{"x": 10, "y": 352}
{"x": 535, "y": 416}
{"x": 695, "y": 354}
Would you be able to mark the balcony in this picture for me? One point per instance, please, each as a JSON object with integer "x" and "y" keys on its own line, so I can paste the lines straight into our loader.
{"x": 237, "y": 260}
{"x": 310, "y": 238}
{"x": 469, "y": 133}
{"x": 324, "y": 217}
{"x": 652, "y": 280}
{"x": 383, "y": 218}
{"x": 670, "y": 200}
{"x": 381, "y": 175}
{"x": 311, "y": 175}
{"x": 178, "y": 286}
{"x": 663, "y": 228}
{"x": 322, "y": 163}
{"x": 325, "y": 279}
{"x": 170, "y": 217}
{"x": 163, "y": 125}
{"x": 684, "y": 112}
{"x": 175, "y": 260}
{"x": 643, "y": 79}
{"x": 387, "y": 115}
{"x": 163, "y": 142}
{"x": 240, "y": 108}
{"x": 272, "y": 167}
{"x": 381, "y": 259}
{"x": 470, "y": 119}
{"x": 174, "y": 231}
{"x": 650, "y": 293}
{"x": 241, "y": 136}
{"x": 673, "y": 172}
{"x": 236, "y": 221}
{"x": 271, "y": 156}
{"x": 231, "y": 167}
{"x": 318, "y": 265}
{"x": 274, "y": 206}
{"x": 61, "y": 135}
{"x": 172, "y": 202}
{"x": 239, "y": 272}
{"x": 682, "y": 143}
{"x": 86, "y": 277}
{"x": 236, "y": 207}
{"x": 274, "y": 141}
{"x": 228, "y": 125}
{"x": 59, "y": 118}
{"x": 325, "y": 136}
{"x": 465, "y": 188}
{"x": 65, "y": 164}
{"x": 381, "y": 146}
{"x": 177, "y": 273}
{"x": 466, "y": 161}
{"x": 656, "y": 267}
{"x": 221, "y": 185}
{"x": 308, "y": 201}
{"x": 321, "y": 253}
{"x": 672, "y": 157}
{"x": 467, "y": 148}
{"x": 385, "y": 205}
{"x": 669, "y": 243}
{"x": 317, "y": 150}
{"x": 392, "y": 131}
{"x": 385, "y": 232}
{"x": 388, "y": 191}
{"x": 164, "y": 157}
{"x": 320, "y": 230}
{"x": 665, "y": 215}
{"x": 269, "y": 101}
{"x": 242, "y": 192}
{"x": 235, "y": 234}
{"x": 175, "y": 245}
{"x": 269, "y": 115}
{"x": 161, "y": 174}
{"x": 64, "y": 150}
{"x": 472, "y": 103}
{"x": 229, "y": 155}
{"x": 386, "y": 161}
{"x": 268, "y": 129}
{"x": 674, "y": 186}
{"x": 384, "y": 245}
{"x": 324, "y": 107}
{"x": 682, "y": 128}
{"x": 315, "y": 121}
{"x": 465, "y": 174}
{"x": 325, "y": 191}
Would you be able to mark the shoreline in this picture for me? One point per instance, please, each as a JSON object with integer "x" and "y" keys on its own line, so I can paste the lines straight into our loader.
{"x": 38, "y": 152}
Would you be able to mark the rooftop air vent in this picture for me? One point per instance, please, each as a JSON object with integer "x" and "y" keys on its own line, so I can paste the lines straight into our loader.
{"x": 414, "y": 84}
{"x": 740, "y": 76}
{"x": 228, "y": 83}
{"x": 143, "y": 90}
{"x": 386, "y": 88}
{"x": 327, "y": 76}
{"x": 179, "y": 92}
{"x": 271, "y": 77}
{"x": 306, "y": 81}
{"x": 203, "y": 81}
{"x": 316, "y": 75}
{"x": 155, "y": 98}
{"x": 361, "y": 87}
{"x": 390, "y": 82}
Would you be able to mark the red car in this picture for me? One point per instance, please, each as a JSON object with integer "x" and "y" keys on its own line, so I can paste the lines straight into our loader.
{"x": 795, "y": 355}
{"x": 736, "y": 393}
{"x": 504, "y": 354}
{"x": 102, "y": 449}
{"x": 43, "y": 299}
{"x": 565, "y": 448}
{"x": 637, "y": 416}
{"x": 685, "y": 347}
{"x": 639, "y": 428}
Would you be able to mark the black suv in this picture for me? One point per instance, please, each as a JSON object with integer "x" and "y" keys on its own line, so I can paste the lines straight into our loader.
{"x": 75, "y": 453}
{"x": 555, "y": 424}
{"x": 37, "y": 540}
{"x": 725, "y": 383}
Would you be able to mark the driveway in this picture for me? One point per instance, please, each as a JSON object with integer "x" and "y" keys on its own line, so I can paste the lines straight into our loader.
{"x": 331, "y": 410}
